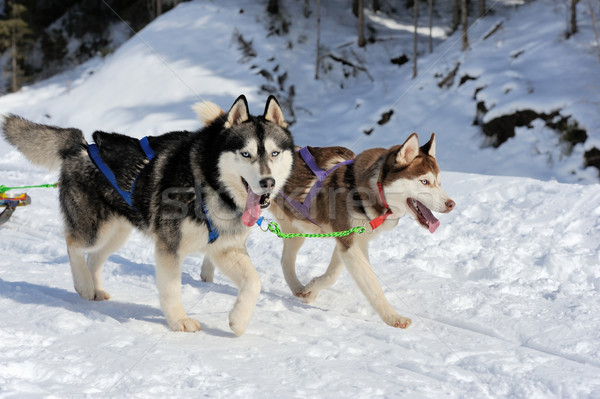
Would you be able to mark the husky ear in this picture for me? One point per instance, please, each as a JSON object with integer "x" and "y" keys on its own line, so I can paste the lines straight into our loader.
{"x": 409, "y": 150}
{"x": 207, "y": 112}
{"x": 238, "y": 113}
{"x": 429, "y": 147}
{"x": 273, "y": 112}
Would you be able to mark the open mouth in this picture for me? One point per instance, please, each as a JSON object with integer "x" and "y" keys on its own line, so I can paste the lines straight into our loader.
{"x": 265, "y": 199}
{"x": 423, "y": 215}
{"x": 254, "y": 204}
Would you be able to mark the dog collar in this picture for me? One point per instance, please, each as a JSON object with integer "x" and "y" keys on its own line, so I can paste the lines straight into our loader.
{"x": 378, "y": 221}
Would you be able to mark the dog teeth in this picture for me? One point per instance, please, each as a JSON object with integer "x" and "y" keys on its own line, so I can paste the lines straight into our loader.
{"x": 265, "y": 200}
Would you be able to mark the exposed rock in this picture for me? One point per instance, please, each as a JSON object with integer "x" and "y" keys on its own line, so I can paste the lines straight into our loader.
{"x": 400, "y": 60}
{"x": 592, "y": 158}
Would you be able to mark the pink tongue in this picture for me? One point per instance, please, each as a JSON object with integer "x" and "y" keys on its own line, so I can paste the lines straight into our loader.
{"x": 252, "y": 210}
{"x": 433, "y": 222}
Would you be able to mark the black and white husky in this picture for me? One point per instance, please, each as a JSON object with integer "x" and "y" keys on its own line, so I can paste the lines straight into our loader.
{"x": 189, "y": 191}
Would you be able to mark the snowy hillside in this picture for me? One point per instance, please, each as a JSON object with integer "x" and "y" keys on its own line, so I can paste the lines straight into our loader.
{"x": 504, "y": 297}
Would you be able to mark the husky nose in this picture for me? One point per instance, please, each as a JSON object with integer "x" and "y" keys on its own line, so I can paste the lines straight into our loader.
{"x": 267, "y": 184}
{"x": 450, "y": 205}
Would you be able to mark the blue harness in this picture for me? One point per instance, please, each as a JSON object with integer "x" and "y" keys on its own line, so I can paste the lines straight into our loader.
{"x": 94, "y": 152}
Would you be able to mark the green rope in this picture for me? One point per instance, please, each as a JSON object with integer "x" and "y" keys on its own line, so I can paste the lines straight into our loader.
{"x": 4, "y": 189}
{"x": 274, "y": 228}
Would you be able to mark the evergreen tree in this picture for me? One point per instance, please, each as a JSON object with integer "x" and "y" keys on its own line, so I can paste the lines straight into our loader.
{"x": 15, "y": 36}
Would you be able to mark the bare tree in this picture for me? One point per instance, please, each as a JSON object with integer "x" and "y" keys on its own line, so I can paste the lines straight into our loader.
{"x": 431, "y": 26}
{"x": 573, "y": 27}
{"x": 455, "y": 18}
{"x": 464, "y": 22}
{"x": 416, "y": 22}
{"x": 158, "y": 7}
{"x": 594, "y": 26}
{"x": 318, "y": 62}
{"x": 361, "y": 24}
{"x": 482, "y": 9}
{"x": 306, "y": 9}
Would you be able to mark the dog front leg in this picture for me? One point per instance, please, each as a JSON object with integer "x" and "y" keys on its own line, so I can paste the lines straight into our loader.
{"x": 208, "y": 270}
{"x": 168, "y": 281}
{"x": 237, "y": 266}
{"x": 312, "y": 289}
{"x": 359, "y": 267}
{"x": 291, "y": 247}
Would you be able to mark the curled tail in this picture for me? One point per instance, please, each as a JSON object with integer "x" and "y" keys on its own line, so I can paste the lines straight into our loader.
{"x": 207, "y": 112}
{"x": 43, "y": 145}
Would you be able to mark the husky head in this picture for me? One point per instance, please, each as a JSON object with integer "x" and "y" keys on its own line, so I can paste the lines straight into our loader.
{"x": 254, "y": 155}
{"x": 412, "y": 182}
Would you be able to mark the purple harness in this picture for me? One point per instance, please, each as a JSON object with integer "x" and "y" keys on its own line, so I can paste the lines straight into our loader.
{"x": 304, "y": 208}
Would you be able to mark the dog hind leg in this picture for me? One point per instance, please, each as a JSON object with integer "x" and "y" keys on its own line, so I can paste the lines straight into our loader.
{"x": 111, "y": 240}
{"x": 82, "y": 278}
{"x": 360, "y": 268}
{"x": 237, "y": 266}
{"x": 168, "y": 281}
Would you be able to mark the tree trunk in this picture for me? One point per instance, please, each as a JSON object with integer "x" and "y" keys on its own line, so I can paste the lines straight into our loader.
{"x": 306, "y": 9}
{"x": 158, "y": 8}
{"x": 361, "y": 24}
{"x": 573, "y": 29}
{"x": 14, "y": 72}
{"x": 376, "y": 6}
{"x": 464, "y": 23}
{"x": 416, "y": 20}
{"x": 318, "y": 62}
{"x": 594, "y": 26}
{"x": 455, "y": 18}
{"x": 481, "y": 8}
{"x": 431, "y": 26}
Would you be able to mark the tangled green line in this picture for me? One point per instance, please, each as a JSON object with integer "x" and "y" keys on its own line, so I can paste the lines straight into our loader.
{"x": 4, "y": 189}
{"x": 274, "y": 228}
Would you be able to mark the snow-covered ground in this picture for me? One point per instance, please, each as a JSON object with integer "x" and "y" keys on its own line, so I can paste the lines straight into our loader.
{"x": 504, "y": 297}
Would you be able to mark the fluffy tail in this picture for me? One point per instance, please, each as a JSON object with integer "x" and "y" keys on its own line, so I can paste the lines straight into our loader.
{"x": 43, "y": 145}
{"x": 207, "y": 112}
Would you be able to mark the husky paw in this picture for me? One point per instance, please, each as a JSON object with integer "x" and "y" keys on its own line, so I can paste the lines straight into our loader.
{"x": 206, "y": 278}
{"x": 307, "y": 293}
{"x": 187, "y": 325}
{"x": 86, "y": 291}
{"x": 238, "y": 324}
{"x": 101, "y": 295}
{"x": 399, "y": 322}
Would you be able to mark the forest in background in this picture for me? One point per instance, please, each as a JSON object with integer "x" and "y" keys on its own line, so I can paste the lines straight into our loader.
{"x": 39, "y": 38}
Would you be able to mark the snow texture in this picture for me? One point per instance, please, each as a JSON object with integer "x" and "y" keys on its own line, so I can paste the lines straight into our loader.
{"x": 504, "y": 297}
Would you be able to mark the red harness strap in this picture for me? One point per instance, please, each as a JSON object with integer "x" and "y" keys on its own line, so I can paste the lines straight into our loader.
{"x": 378, "y": 221}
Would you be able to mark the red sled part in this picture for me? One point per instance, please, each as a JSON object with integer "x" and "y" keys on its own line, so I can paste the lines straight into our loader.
{"x": 10, "y": 204}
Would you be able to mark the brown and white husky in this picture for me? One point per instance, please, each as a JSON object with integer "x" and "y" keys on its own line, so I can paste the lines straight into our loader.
{"x": 331, "y": 189}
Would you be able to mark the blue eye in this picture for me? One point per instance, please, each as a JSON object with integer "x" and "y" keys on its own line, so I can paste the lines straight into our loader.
{"x": 425, "y": 182}
{"x": 275, "y": 153}
{"x": 245, "y": 154}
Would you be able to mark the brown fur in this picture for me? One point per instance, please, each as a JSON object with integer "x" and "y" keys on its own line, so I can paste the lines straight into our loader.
{"x": 350, "y": 197}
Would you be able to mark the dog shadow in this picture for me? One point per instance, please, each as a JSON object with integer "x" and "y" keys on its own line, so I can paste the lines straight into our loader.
{"x": 35, "y": 294}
